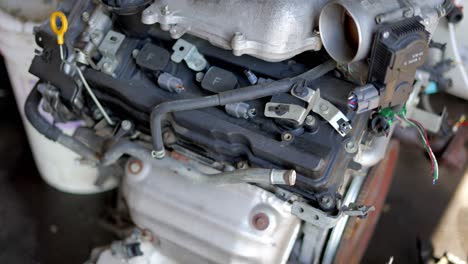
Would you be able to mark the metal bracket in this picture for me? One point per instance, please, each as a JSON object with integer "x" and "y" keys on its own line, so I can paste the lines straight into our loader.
{"x": 286, "y": 111}
{"x": 314, "y": 216}
{"x": 322, "y": 220}
{"x": 316, "y": 104}
{"x": 360, "y": 211}
{"x": 184, "y": 50}
{"x": 108, "y": 48}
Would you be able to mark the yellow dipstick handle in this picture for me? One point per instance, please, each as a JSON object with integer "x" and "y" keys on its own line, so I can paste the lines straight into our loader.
{"x": 60, "y": 32}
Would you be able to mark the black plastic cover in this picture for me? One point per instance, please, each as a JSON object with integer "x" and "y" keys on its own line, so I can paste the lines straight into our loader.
{"x": 399, "y": 49}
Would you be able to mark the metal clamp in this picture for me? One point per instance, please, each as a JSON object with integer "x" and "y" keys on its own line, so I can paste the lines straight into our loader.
{"x": 316, "y": 104}
{"x": 314, "y": 216}
{"x": 184, "y": 50}
{"x": 322, "y": 220}
{"x": 360, "y": 211}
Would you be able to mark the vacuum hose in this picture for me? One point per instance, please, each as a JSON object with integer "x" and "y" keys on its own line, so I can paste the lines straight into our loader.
{"x": 228, "y": 97}
{"x": 50, "y": 131}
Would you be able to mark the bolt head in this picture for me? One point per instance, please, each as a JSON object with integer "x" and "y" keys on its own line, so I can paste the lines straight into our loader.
{"x": 238, "y": 36}
{"x": 165, "y": 10}
{"x": 310, "y": 120}
{"x": 126, "y": 125}
{"x": 97, "y": 115}
{"x": 199, "y": 76}
{"x": 135, "y": 167}
{"x": 324, "y": 109}
{"x": 351, "y": 146}
{"x": 386, "y": 34}
{"x": 85, "y": 16}
{"x": 106, "y": 66}
{"x": 260, "y": 221}
{"x": 301, "y": 91}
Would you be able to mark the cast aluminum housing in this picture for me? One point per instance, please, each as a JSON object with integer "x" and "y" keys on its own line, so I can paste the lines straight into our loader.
{"x": 270, "y": 30}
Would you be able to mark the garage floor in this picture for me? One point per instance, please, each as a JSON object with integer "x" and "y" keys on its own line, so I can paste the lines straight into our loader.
{"x": 41, "y": 225}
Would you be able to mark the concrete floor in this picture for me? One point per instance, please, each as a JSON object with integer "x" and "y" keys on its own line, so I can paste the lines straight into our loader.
{"x": 416, "y": 209}
{"x": 41, "y": 225}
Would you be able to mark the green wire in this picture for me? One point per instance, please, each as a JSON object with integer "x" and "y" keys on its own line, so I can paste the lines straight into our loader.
{"x": 426, "y": 146}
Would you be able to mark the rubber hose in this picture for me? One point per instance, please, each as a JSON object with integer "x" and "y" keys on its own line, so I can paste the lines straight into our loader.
{"x": 233, "y": 96}
{"x": 37, "y": 121}
{"x": 50, "y": 131}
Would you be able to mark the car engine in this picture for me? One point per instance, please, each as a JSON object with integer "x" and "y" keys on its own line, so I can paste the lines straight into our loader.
{"x": 242, "y": 131}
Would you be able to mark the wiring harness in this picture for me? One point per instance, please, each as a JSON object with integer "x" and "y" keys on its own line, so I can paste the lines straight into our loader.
{"x": 391, "y": 116}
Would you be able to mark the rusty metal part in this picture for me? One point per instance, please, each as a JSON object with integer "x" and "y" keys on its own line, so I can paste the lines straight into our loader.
{"x": 260, "y": 221}
{"x": 135, "y": 166}
{"x": 455, "y": 155}
{"x": 358, "y": 231}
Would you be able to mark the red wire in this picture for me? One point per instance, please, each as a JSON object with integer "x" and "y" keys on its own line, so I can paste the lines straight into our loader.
{"x": 427, "y": 141}
{"x": 463, "y": 124}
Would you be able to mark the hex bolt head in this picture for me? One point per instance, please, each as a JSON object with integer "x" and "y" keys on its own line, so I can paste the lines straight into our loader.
{"x": 135, "y": 53}
{"x": 238, "y": 37}
{"x": 260, "y": 221}
{"x": 199, "y": 76}
{"x": 85, "y": 16}
{"x": 106, "y": 67}
{"x": 310, "y": 120}
{"x": 324, "y": 109}
{"x": 126, "y": 125}
{"x": 326, "y": 201}
{"x": 135, "y": 167}
{"x": 351, "y": 146}
{"x": 165, "y": 10}
{"x": 301, "y": 91}
{"x": 97, "y": 115}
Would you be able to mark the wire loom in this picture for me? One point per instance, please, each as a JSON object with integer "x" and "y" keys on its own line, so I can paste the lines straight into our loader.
{"x": 401, "y": 116}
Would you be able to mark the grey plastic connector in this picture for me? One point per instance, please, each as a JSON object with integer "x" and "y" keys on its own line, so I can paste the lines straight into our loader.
{"x": 238, "y": 110}
{"x": 170, "y": 83}
{"x": 365, "y": 98}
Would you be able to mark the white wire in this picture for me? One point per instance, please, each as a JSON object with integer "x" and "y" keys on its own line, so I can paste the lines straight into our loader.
{"x": 456, "y": 53}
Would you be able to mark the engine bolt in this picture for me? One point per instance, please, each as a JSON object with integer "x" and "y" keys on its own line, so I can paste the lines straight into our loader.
{"x": 97, "y": 114}
{"x": 165, "y": 10}
{"x": 106, "y": 67}
{"x": 199, "y": 76}
{"x": 310, "y": 120}
{"x": 135, "y": 166}
{"x": 126, "y": 125}
{"x": 301, "y": 91}
{"x": 85, "y": 16}
{"x": 324, "y": 109}
{"x": 351, "y": 147}
{"x": 326, "y": 201}
{"x": 260, "y": 221}
{"x": 135, "y": 53}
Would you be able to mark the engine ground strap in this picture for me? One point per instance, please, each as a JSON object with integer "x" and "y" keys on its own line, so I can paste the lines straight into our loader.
{"x": 316, "y": 104}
